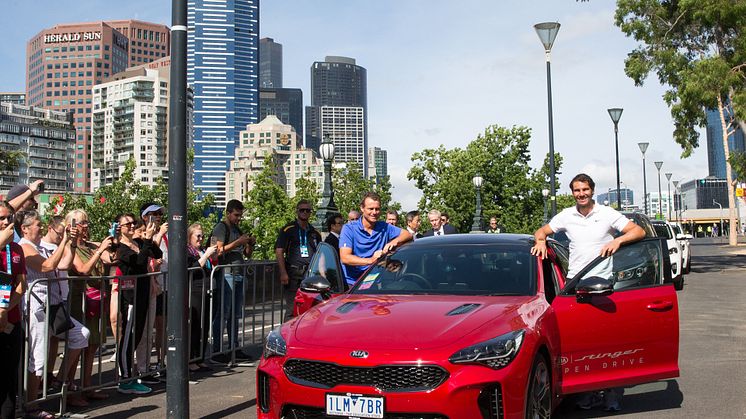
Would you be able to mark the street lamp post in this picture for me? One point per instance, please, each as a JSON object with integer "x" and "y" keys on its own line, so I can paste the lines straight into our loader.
{"x": 547, "y": 32}
{"x": 658, "y": 166}
{"x": 477, "y": 224}
{"x": 616, "y": 114}
{"x": 720, "y": 233}
{"x": 643, "y": 148}
{"x": 545, "y": 193}
{"x": 668, "y": 177}
{"x": 327, "y": 208}
{"x": 675, "y": 190}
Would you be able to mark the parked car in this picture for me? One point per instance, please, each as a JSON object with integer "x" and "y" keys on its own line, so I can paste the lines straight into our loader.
{"x": 471, "y": 326}
{"x": 686, "y": 248}
{"x": 643, "y": 221}
{"x": 663, "y": 229}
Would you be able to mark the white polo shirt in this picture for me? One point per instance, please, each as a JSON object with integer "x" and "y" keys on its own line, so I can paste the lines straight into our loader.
{"x": 587, "y": 234}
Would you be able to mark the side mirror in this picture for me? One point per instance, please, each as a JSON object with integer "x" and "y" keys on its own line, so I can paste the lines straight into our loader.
{"x": 316, "y": 284}
{"x": 680, "y": 237}
{"x": 688, "y": 236}
{"x": 594, "y": 285}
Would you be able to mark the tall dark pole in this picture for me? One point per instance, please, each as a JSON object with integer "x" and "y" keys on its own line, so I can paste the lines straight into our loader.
{"x": 668, "y": 176}
{"x": 615, "y": 114}
{"x": 547, "y": 32}
{"x": 177, "y": 345}
{"x": 658, "y": 166}
{"x": 643, "y": 148}
{"x": 477, "y": 221}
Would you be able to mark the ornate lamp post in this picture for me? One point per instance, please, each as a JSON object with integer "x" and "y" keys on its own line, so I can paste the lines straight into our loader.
{"x": 547, "y": 32}
{"x": 616, "y": 114}
{"x": 327, "y": 208}
{"x": 675, "y": 191}
{"x": 668, "y": 177}
{"x": 477, "y": 180}
{"x": 643, "y": 148}
{"x": 545, "y": 193}
{"x": 658, "y": 166}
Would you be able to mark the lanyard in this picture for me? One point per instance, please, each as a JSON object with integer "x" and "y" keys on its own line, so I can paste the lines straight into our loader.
{"x": 7, "y": 259}
{"x": 303, "y": 239}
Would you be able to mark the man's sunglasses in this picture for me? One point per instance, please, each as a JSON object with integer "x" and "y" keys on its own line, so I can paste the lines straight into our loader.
{"x": 7, "y": 218}
{"x": 304, "y": 209}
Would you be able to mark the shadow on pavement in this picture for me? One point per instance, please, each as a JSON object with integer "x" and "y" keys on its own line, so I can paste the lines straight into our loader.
{"x": 633, "y": 401}
{"x": 231, "y": 410}
{"x": 717, "y": 263}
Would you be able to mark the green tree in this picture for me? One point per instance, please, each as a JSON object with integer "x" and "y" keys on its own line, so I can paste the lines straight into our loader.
{"x": 697, "y": 48}
{"x": 738, "y": 163}
{"x": 10, "y": 160}
{"x": 306, "y": 188}
{"x": 268, "y": 208}
{"x": 511, "y": 190}
{"x": 349, "y": 187}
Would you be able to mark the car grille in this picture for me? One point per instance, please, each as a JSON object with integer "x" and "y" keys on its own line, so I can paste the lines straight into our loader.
{"x": 490, "y": 402}
{"x": 303, "y": 412}
{"x": 393, "y": 378}
{"x": 263, "y": 393}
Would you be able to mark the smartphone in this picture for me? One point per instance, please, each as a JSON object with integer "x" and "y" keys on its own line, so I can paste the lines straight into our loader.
{"x": 213, "y": 240}
{"x": 74, "y": 223}
{"x": 151, "y": 219}
{"x": 40, "y": 188}
{"x": 113, "y": 229}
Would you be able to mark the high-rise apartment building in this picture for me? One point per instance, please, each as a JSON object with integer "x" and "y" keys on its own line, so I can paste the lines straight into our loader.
{"x": 286, "y": 105}
{"x": 271, "y": 138}
{"x": 17, "y": 98}
{"x": 65, "y": 61}
{"x": 345, "y": 127}
{"x": 270, "y": 64}
{"x": 130, "y": 121}
{"x": 337, "y": 82}
{"x": 46, "y": 139}
{"x": 222, "y": 68}
{"x": 378, "y": 166}
{"x": 715, "y": 150}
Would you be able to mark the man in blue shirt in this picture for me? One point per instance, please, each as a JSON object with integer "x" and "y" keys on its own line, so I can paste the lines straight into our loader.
{"x": 364, "y": 240}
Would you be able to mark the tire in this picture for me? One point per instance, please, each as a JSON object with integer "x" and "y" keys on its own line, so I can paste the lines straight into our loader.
{"x": 539, "y": 394}
{"x": 678, "y": 284}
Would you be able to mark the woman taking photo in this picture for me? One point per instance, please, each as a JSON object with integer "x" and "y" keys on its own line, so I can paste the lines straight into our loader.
{"x": 134, "y": 293}
{"x": 87, "y": 297}
{"x": 198, "y": 302}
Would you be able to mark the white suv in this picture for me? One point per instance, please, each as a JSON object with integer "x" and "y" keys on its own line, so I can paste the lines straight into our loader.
{"x": 663, "y": 229}
{"x": 686, "y": 249}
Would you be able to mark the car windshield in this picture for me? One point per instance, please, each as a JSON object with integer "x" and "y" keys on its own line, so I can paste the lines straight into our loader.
{"x": 662, "y": 231}
{"x": 477, "y": 269}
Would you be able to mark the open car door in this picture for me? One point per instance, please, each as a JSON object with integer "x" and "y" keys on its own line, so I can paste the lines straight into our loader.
{"x": 324, "y": 266}
{"x": 618, "y": 320}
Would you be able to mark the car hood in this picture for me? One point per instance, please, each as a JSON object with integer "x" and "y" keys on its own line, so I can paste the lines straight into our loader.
{"x": 403, "y": 321}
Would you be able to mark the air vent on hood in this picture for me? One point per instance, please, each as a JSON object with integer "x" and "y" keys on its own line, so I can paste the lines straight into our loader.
{"x": 462, "y": 309}
{"x": 347, "y": 307}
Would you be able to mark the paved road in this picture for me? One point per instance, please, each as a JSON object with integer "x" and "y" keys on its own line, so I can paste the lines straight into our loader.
{"x": 712, "y": 359}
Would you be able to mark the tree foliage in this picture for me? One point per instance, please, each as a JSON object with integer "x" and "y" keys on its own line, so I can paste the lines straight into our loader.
{"x": 308, "y": 189}
{"x": 511, "y": 190}
{"x": 697, "y": 48}
{"x": 738, "y": 163}
{"x": 350, "y": 185}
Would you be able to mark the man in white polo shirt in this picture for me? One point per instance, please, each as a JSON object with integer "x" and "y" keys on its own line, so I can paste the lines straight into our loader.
{"x": 591, "y": 229}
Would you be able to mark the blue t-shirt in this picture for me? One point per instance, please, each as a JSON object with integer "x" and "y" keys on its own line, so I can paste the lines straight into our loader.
{"x": 364, "y": 245}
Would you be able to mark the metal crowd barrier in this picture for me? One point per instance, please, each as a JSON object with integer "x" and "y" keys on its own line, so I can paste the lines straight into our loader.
{"x": 258, "y": 308}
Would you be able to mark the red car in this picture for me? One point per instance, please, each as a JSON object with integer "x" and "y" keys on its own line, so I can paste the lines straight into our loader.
{"x": 470, "y": 326}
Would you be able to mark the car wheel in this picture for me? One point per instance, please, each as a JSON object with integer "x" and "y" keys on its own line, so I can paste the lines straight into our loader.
{"x": 679, "y": 283}
{"x": 539, "y": 394}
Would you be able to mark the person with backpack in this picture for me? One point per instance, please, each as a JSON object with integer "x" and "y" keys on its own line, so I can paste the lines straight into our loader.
{"x": 228, "y": 292}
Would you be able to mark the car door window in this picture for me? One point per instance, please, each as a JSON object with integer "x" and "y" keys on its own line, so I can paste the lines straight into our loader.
{"x": 633, "y": 266}
{"x": 325, "y": 263}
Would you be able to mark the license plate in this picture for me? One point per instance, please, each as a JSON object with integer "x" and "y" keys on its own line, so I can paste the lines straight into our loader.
{"x": 354, "y": 405}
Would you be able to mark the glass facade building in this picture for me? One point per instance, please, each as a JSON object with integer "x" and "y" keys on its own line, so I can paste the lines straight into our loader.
{"x": 703, "y": 193}
{"x": 222, "y": 69}
{"x": 270, "y": 64}
{"x": 715, "y": 151}
{"x": 286, "y": 105}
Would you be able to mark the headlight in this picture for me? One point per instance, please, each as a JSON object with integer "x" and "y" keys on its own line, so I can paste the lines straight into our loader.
{"x": 275, "y": 344}
{"x": 495, "y": 353}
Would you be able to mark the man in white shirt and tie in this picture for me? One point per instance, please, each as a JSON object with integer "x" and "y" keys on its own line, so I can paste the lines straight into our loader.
{"x": 439, "y": 228}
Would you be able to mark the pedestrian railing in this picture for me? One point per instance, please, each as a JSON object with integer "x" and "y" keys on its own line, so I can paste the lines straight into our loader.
{"x": 230, "y": 308}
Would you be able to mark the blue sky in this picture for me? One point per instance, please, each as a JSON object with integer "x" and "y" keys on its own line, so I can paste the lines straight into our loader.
{"x": 440, "y": 71}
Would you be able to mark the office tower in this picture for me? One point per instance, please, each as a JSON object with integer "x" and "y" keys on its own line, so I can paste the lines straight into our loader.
{"x": 272, "y": 138}
{"x": 715, "y": 150}
{"x": 337, "y": 83}
{"x": 130, "y": 121}
{"x": 704, "y": 193}
{"x": 148, "y": 41}
{"x": 65, "y": 61}
{"x": 627, "y": 195}
{"x": 46, "y": 138}
{"x": 378, "y": 166}
{"x": 16, "y": 98}
{"x": 270, "y": 64}
{"x": 222, "y": 68}
{"x": 286, "y": 105}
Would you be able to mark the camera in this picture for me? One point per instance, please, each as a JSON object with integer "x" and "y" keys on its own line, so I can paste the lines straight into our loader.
{"x": 40, "y": 188}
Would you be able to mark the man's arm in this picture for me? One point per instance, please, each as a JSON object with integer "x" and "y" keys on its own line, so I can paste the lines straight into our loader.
{"x": 540, "y": 235}
{"x": 280, "y": 256}
{"x": 630, "y": 233}
{"x": 347, "y": 258}
{"x": 404, "y": 236}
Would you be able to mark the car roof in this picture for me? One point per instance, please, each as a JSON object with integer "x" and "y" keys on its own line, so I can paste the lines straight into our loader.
{"x": 643, "y": 221}
{"x": 478, "y": 238}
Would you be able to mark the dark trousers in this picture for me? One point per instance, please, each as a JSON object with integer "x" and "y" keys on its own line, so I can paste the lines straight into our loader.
{"x": 199, "y": 319}
{"x": 133, "y": 312}
{"x": 295, "y": 276}
{"x": 10, "y": 357}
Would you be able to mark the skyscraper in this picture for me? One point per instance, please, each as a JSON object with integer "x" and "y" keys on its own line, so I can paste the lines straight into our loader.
{"x": 378, "y": 165}
{"x": 222, "y": 68}
{"x": 270, "y": 64}
{"x": 65, "y": 61}
{"x": 286, "y": 104}
{"x": 715, "y": 150}
{"x": 338, "y": 82}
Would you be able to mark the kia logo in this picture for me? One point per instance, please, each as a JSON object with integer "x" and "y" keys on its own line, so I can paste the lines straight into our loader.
{"x": 359, "y": 354}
